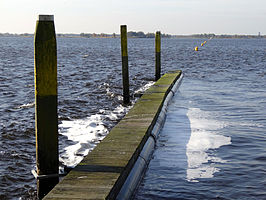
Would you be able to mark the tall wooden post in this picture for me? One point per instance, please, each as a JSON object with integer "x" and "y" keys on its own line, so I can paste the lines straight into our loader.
{"x": 157, "y": 55}
{"x": 46, "y": 124}
{"x": 125, "y": 74}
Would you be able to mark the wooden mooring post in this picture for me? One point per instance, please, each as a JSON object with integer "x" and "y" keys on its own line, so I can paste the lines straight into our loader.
{"x": 157, "y": 55}
{"x": 46, "y": 121}
{"x": 125, "y": 75}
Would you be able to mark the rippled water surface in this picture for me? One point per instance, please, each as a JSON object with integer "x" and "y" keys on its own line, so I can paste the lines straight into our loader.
{"x": 221, "y": 103}
{"x": 213, "y": 143}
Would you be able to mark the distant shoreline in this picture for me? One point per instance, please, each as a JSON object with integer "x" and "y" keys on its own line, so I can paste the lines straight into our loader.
{"x": 132, "y": 34}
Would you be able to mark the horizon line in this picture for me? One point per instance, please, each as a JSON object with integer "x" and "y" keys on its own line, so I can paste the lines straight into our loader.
{"x": 185, "y": 34}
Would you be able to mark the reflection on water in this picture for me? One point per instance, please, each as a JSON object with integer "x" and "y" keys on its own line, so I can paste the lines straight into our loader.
{"x": 202, "y": 162}
{"x": 216, "y": 148}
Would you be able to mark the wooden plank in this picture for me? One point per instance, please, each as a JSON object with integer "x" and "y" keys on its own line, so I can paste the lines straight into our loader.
{"x": 103, "y": 171}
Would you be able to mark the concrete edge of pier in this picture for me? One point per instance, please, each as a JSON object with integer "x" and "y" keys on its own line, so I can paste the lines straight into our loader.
{"x": 113, "y": 169}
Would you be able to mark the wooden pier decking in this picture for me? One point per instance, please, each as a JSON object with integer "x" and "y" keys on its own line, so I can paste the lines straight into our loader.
{"x": 102, "y": 173}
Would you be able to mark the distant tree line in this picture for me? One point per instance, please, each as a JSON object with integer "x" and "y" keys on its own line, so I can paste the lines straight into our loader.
{"x": 240, "y": 36}
{"x": 97, "y": 35}
{"x": 130, "y": 34}
{"x": 205, "y": 35}
{"x": 15, "y": 34}
{"x": 140, "y": 34}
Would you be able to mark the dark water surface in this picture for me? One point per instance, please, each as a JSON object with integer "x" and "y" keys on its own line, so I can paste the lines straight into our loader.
{"x": 224, "y": 84}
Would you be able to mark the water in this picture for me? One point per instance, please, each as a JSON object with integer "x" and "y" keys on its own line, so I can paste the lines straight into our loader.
{"x": 222, "y": 98}
{"x": 212, "y": 145}
{"x": 89, "y": 101}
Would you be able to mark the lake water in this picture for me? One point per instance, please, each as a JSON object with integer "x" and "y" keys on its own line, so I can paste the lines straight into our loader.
{"x": 213, "y": 143}
{"x": 215, "y": 149}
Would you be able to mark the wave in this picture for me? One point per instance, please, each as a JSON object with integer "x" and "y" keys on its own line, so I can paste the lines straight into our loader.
{"x": 27, "y": 105}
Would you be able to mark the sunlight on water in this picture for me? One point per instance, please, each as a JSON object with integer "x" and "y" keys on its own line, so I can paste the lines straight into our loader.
{"x": 204, "y": 137}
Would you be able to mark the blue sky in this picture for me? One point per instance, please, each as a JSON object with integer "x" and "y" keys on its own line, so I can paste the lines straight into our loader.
{"x": 168, "y": 16}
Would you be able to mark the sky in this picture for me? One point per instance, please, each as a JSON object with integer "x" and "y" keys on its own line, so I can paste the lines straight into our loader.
{"x": 177, "y": 17}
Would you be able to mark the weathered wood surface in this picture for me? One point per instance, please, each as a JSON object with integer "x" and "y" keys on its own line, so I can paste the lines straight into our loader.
{"x": 103, "y": 171}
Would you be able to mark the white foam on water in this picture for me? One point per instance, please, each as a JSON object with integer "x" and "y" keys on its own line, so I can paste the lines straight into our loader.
{"x": 204, "y": 136}
{"x": 145, "y": 87}
{"x": 27, "y": 105}
{"x": 85, "y": 134}
{"x": 106, "y": 86}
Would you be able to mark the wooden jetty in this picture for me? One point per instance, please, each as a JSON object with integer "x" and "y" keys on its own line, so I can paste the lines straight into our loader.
{"x": 103, "y": 172}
